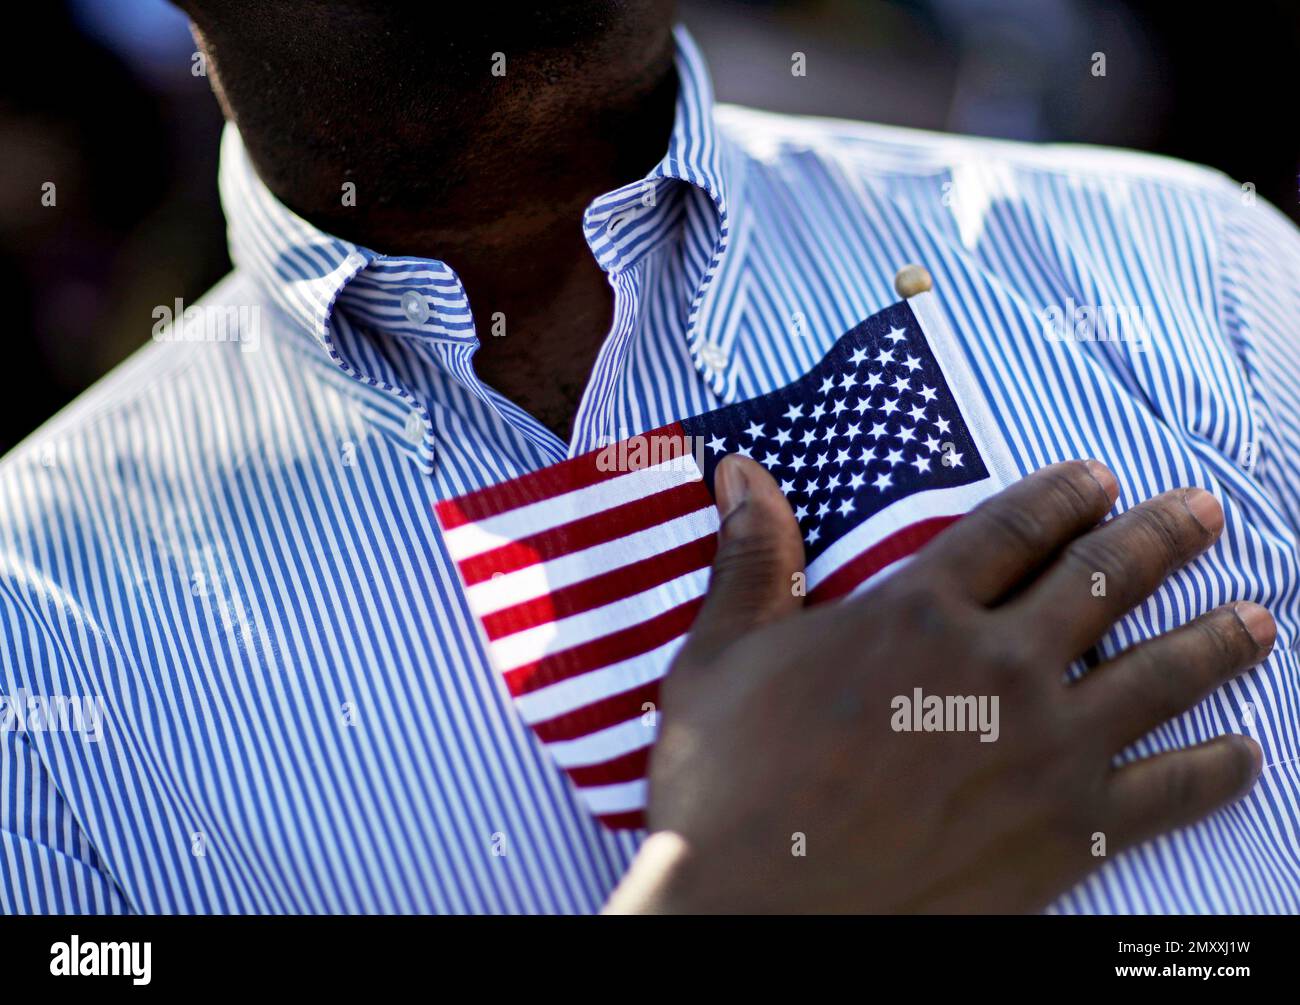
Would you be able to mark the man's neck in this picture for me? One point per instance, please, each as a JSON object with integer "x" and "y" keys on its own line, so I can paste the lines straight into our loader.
{"x": 501, "y": 200}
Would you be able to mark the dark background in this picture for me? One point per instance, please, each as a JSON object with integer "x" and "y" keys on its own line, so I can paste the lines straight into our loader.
{"x": 98, "y": 97}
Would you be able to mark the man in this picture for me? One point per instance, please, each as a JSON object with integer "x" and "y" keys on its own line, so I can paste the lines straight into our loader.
{"x": 466, "y": 253}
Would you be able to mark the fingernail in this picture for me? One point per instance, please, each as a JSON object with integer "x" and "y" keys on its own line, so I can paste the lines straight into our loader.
{"x": 1259, "y": 623}
{"x": 731, "y": 486}
{"x": 1105, "y": 478}
{"x": 1205, "y": 509}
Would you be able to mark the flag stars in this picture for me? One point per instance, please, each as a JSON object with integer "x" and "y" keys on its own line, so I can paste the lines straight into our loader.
{"x": 902, "y": 384}
{"x": 883, "y": 481}
{"x": 912, "y": 364}
{"x": 717, "y": 445}
{"x": 885, "y": 357}
{"x": 922, "y": 464}
{"x": 846, "y": 506}
{"x": 896, "y": 335}
{"x": 859, "y": 356}
{"x": 755, "y": 431}
{"x": 827, "y": 386}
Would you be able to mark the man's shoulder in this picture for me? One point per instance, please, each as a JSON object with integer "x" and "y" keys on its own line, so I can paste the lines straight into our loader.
{"x": 873, "y": 150}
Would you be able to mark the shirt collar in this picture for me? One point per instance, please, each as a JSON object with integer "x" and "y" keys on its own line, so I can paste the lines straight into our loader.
{"x": 305, "y": 271}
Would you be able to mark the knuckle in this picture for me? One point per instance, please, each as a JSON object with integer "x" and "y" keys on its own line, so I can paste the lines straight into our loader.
{"x": 917, "y": 607}
{"x": 1073, "y": 489}
{"x": 1180, "y": 784}
{"x": 1097, "y": 553}
{"x": 1163, "y": 528}
{"x": 1020, "y": 527}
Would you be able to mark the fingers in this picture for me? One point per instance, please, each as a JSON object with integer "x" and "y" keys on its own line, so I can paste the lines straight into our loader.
{"x": 1162, "y": 678}
{"x": 1013, "y": 534}
{"x": 1172, "y": 790}
{"x": 1103, "y": 575}
{"x": 760, "y": 553}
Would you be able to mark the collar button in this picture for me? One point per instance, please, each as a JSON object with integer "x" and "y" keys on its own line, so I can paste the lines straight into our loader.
{"x": 414, "y": 431}
{"x": 415, "y": 306}
{"x": 713, "y": 356}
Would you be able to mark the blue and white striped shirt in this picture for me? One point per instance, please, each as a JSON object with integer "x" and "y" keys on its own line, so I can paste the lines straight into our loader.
{"x": 229, "y": 545}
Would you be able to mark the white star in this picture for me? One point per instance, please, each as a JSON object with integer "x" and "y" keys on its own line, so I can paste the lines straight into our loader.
{"x": 809, "y": 436}
{"x": 902, "y": 384}
{"x": 782, "y": 437}
{"x": 839, "y": 407}
{"x": 755, "y": 431}
{"x": 868, "y": 455}
{"x": 952, "y": 459}
{"x": 818, "y": 411}
{"x": 813, "y": 535}
{"x": 853, "y": 430}
{"x": 717, "y": 446}
{"x": 927, "y": 392}
{"x": 856, "y": 481}
{"x": 771, "y": 460}
{"x": 917, "y": 413}
{"x": 912, "y": 363}
{"x": 800, "y": 513}
{"x": 797, "y": 463}
{"x": 906, "y": 433}
{"x": 827, "y": 384}
{"x": 931, "y": 444}
{"x": 874, "y": 380}
{"x": 823, "y": 509}
{"x": 842, "y": 457}
{"x": 942, "y": 424}
{"x": 921, "y": 464}
{"x": 846, "y": 507}
{"x": 879, "y": 429}
{"x": 787, "y": 487}
{"x": 858, "y": 356}
{"x": 882, "y": 481}
{"x": 889, "y": 407}
{"x": 847, "y": 380}
{"x": 862, "y": 407}
{"x": 744, "y": 451}
{"x": 794, "y": 412}
{"x": 885, "y": 357}
{"x": 894, "y": 457}
{"x": 896, "y": 335}
{"x": 833, "y": 482}
{"x": 822, "y": 461}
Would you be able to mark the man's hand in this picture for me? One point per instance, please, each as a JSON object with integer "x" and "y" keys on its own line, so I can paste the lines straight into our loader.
{"x": 779, "y": 783}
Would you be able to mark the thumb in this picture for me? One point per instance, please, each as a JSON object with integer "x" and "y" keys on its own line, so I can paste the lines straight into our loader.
{"x": 760, "y": 551}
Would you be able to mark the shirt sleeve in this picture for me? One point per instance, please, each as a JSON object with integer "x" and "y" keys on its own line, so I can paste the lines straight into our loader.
{"x": 47, "y": 866}
{"x": 1259, "y": 304}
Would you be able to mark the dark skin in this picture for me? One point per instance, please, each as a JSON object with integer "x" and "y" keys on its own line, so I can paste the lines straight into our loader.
{"x": 776, "y": 719}
{"x": 490, "y": 174}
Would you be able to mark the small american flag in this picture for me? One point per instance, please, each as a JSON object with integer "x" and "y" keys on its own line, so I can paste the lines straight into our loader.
{"x": 586, "y": 575}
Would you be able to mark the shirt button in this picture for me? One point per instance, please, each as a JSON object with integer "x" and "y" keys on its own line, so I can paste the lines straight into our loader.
{"x": 713, "y": 356}
{"x": 414, "y": 428}
{"x": 415, "y": 307}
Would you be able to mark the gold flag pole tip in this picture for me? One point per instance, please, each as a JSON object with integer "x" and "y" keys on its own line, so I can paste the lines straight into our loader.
{"x": 911, "y": 280}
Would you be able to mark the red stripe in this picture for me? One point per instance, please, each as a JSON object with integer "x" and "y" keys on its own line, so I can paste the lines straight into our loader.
{"x": 883, "y": 553}
{"x": 567, "y": 476}
{"x": 634, "y": 820}
{"x": 621, "y": 645}
{"x": 588, "y": 531}
{"x": 629, "y": 767}
{"x": 599, "y": 715}
{"x": 606, "y": 588}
